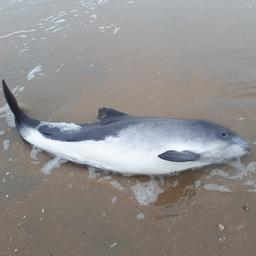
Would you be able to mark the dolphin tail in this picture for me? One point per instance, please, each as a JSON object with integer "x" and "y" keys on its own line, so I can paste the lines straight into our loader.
{"x": 20, "y": 117}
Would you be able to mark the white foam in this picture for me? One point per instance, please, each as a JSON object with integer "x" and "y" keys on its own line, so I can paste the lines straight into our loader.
{"x": 116, "y": 184}
{"x": 140, "y": 216}
{"x": 250, "y": 183}
{"x": 242, "y": 178}
{"x": 241, "y": 172}
{"x": 36, "y": 71}
{"x": 93, "y": 174}
{"x": 22, "y": 51}
{"x": 116, "y": 30}
{"x": 17, "y": 32}
{"x": 53, "y": 164}
{"x": 93, "y": 18}
{"x": 113, "y": 200}
{"x": 237, "y": 164}
{"x": 251, "y": 168}
{"x": 147, "y": 192}
{"x": 59, "y": 21}
{"x": 108, "y": 177}
{"x": 113, "y": 245}
{"x": 21, "y": 88}
{"x": 219, "y": 173}
{"x": 2, "y": 132}
{"x": 174, "y": 183}
{"x": 100, "y": 2}
{"x": 58, "y": 29}
{"x": 34, "y": 153}
{"x": 216, "y": 187}
{"x": 54, "y": 18}
{"x": 198, "y": 183}
{"x": 50, "y": 28}
{"x": 6, "y": 113}
{"x": 15, "y": 89}
{"x": 6, "y": 144}
{"x": 107, "y": 27}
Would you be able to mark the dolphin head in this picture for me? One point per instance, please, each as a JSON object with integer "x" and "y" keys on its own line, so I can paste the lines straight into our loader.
{"x": 221, "y": 144}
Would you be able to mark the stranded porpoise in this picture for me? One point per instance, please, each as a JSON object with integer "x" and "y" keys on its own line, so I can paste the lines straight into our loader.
{"x": 132, "y": 145}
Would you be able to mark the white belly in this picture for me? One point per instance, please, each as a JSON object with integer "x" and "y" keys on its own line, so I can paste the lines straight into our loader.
{"x": 114, "y": 153}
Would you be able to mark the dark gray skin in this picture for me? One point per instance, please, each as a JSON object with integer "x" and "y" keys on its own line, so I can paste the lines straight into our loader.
{"x": 110, "y": 122}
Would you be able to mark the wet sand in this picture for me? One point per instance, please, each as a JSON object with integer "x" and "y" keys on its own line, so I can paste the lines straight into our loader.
{"x": 64, "y": 60}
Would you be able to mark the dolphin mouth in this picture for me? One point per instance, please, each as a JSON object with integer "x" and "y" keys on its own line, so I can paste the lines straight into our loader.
{"x": 242, "y": 143}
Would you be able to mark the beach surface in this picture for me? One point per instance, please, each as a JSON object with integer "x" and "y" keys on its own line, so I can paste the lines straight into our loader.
{"x": 185, "y": 59}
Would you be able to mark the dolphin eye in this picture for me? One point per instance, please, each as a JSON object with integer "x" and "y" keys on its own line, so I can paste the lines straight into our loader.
{"x": 224, "y": 134}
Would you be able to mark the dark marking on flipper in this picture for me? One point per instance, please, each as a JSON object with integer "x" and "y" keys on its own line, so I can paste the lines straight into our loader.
{"x": 182, "y": 156}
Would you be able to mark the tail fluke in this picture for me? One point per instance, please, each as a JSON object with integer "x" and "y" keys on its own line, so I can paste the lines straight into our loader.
{"x": 20, "y": 117}
{"x": 12, "y": 102}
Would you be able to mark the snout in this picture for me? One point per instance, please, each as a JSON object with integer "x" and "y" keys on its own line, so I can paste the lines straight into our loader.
{"x": 242, "y": 143}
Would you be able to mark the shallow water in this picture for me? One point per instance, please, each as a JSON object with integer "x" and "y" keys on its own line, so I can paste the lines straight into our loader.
{"x": 64, "y": 60}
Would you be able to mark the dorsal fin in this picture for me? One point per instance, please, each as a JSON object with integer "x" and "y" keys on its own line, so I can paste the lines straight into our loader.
{"x": 109, "y": 113}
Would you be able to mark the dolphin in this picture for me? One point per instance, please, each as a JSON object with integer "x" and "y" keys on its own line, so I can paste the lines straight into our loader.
{"x": 132, "y": 145}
